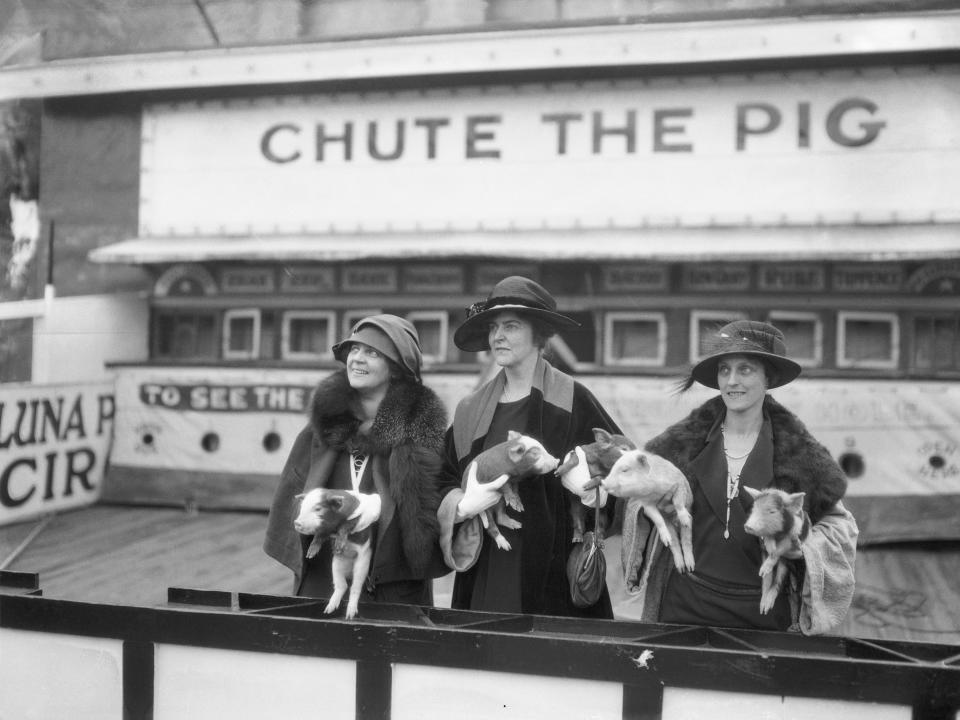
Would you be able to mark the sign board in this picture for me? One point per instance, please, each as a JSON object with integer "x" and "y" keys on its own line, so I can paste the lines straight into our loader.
{"x": 54, "y": 441}
{"x": 810, "y": 147}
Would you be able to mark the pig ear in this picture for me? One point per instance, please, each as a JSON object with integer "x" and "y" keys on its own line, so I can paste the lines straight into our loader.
{"x": 642, "y": 460}
{"x": 795, "y": 501}
{"x": 513, "y": 435}
{"x": 602, "y": 437}
{"x": 515, "y": 451}
{"x": 752, "y": 492}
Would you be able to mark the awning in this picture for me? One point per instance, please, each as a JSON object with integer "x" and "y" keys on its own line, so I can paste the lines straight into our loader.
{"x": 821, "y": 243}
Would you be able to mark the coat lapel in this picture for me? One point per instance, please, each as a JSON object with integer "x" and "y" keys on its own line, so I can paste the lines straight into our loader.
{"x": 709, "y": 471}
{"x": 321, "y": 466}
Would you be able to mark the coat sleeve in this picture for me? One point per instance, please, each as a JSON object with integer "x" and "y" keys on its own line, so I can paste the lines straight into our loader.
{"x": 282, "y": 542}
{"x": 829, "y": 554}
{"x": 459, "y": 542}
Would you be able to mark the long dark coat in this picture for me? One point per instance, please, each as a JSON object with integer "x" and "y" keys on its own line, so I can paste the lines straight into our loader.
{"x": 561, "y": 415}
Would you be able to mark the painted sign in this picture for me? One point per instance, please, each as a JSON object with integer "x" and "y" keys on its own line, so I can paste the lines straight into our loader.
{"x": 53, "y": 447}
{"x": 804, "y": 147}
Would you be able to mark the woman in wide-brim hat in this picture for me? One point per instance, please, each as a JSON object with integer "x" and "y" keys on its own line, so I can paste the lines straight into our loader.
{"x": 375, "y": 430}
{"x": 530, "y": 396}
{"x": 744, "y": 438}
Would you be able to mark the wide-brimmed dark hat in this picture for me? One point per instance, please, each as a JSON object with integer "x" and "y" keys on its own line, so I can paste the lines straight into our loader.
{"x": 512, "y": 293}
{"x": 747, "y": 337}
{"x": 393, "y": 336}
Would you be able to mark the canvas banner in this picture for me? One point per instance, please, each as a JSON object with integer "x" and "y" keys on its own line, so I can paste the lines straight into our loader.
{"x": 54, "y": 441}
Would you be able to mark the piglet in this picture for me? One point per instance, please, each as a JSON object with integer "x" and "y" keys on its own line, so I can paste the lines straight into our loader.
{"x": 518, "y": 457}
{"x": 777, "y": 519}
{"x": 660, "y": 488}
{"x": 584, "y": 464}
{"x": 334, "y": 514}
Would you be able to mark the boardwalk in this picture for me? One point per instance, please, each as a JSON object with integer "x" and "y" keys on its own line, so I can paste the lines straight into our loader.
{"x": 131, "y": 555}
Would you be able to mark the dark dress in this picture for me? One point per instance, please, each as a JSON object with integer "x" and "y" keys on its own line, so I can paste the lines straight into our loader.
{"x": 497, "y": 581}
{"x": 724, "y": 590}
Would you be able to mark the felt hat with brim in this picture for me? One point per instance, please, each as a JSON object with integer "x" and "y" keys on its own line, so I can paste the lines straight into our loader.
{"x": 391, "y": 335}
{"x": 516, "y": 293}
{"x": 747, "y": 337}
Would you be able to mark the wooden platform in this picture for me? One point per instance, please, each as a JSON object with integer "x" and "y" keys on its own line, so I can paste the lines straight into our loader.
{"x": 131, "y": 555}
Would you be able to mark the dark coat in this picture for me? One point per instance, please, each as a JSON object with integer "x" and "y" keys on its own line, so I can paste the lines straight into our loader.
{"x": 821, "y": 597}
{"x": 405, "y": 446}
{"x": 560, "y": 423}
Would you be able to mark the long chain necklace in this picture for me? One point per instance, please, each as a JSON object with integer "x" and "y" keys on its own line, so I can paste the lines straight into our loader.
{"x": 733, "y": 489}
{"x": 733, "y": 481}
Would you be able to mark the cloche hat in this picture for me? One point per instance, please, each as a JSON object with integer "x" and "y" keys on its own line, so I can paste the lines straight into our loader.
{"x": 391, "y": 335}
{"x": 746, "y": 337}
{"x": 512, "y": 293}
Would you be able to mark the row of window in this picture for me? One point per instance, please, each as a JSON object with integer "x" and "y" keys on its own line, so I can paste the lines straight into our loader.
{"x": 627, "y": 339}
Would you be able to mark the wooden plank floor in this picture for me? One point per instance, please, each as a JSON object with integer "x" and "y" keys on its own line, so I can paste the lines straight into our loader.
{"x": 131, "y": 555}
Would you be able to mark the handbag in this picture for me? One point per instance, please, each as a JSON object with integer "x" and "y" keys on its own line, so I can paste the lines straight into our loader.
{"x": 587, "y": 566}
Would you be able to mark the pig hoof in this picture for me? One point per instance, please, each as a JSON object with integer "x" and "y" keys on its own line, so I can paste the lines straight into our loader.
{"x": 515, "y": 504}
{"x": 577, "y": 538}
{"x": 509, "y": 522}
{"x": 351, "y": 612}
{"x": 502, "y": 543}
{"x": 330, "y": 608}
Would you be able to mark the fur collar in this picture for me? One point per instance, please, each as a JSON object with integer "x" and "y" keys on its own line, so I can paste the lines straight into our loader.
{"x": 800, "y": 463}
{"x": 411, "y": 413}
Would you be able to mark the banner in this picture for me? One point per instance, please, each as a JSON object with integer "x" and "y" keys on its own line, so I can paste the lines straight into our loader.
{"x": 824, "y": 147}
{"x": 54, "y": 441}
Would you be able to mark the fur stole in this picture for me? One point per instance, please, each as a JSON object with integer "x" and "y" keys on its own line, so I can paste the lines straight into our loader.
{"x": 409, "y": 432}
{"x": 800, "y": 463}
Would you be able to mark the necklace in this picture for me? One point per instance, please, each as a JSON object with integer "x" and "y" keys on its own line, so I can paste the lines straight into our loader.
{"x": 733, "y": 489}
{"x": 358, "y": 462}
{"x": 733, "y": 481}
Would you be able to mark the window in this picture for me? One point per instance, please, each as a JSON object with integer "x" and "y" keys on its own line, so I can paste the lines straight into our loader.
{"x": 803, "y": 333}
{"x": 184, "y": 335}
{"x": 307, "y": 335}
{"x": 634, "y": 339}
{"x": 936, "y": 342}
{"x": 433, "y": 328}
{"x": 351, "y": 317}
{"x": 703, "y": 327}
{"x": 868, "y": 340}
{"x": 241, "y": 334}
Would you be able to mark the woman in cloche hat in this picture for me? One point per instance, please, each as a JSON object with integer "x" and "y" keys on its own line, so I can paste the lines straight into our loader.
{"x": 744, "y": 438}
{"x": 376, "y": 430}
{"x": 529, "y": 396}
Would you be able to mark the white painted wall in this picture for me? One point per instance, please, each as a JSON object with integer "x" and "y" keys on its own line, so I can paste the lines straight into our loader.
{"x": 48, "y": 675}
{"x": 76, "y": 336}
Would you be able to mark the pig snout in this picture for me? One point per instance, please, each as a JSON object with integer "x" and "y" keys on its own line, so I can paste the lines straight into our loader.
{"x": 308, "y": 516}
{"x": 763, "y": 523}
{"x": 306, "y": 523}
{"x": 546, "y": 463}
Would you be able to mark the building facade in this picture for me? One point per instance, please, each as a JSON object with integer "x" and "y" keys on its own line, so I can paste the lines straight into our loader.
{"x": 660, "y": 175}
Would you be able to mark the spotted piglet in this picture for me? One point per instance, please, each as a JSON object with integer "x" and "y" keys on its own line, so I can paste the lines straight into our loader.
{"x": 777, "y": 519}
{"x": 326, "y": 514}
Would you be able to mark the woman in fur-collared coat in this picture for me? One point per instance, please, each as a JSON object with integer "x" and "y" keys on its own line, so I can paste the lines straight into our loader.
{"x": 377, "y": 431}
{"x": 743, "y": 437}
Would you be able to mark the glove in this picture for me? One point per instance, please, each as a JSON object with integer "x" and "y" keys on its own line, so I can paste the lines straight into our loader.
{"x": 368, "y": 512}
{"x": 477, "y": 496}
{"x": 589, "y": 497}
